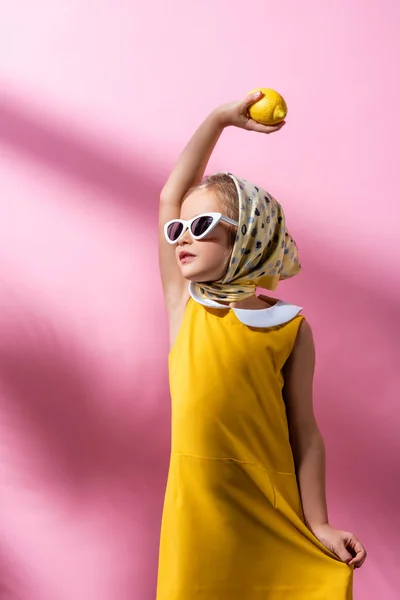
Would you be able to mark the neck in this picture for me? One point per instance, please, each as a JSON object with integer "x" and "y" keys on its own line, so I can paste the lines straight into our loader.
{"x": 250, "y": 303}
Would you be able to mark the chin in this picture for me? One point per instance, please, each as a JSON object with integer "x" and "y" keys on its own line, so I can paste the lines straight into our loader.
{"x": 195, "y": 277}
{"x": 192, "y": 274}
{"x": 198, "y": 275}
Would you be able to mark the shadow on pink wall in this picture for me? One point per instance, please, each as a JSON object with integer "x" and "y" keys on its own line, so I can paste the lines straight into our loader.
{"x": 94, "y": 162}
{"x": 68, "y": 439}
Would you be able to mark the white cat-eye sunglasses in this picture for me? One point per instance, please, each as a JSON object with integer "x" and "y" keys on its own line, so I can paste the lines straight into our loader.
{"x": 199, "y": 226}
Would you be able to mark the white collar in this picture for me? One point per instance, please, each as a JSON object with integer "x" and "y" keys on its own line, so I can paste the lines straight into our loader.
{"x": 278, "y": 314}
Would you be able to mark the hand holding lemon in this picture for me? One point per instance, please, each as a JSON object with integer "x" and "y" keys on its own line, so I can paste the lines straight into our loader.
{"x": 270, "y": 109}
{"x": 262, "y": 110}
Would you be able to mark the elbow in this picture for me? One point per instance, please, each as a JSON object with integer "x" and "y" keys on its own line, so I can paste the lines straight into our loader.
{"x": 307, "y": 439}
{"x": 165, "y": 198}
{"x": 168, "y": 196}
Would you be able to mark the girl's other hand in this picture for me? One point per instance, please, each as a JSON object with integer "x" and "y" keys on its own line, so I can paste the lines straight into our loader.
{"x": 237, "y": 114}
{"x": 342, "y": 543}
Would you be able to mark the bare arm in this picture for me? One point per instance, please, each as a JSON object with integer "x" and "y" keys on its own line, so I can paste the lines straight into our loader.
{"x": 307, "y": 443}
{"x": 188, "y": 171}
{"x": 193, "y": 161}
{"x": 309, "y": 450}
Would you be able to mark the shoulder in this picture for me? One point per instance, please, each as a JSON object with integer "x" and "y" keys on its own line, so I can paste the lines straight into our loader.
{"x": 305, "y": 333}
{"x": 304, "y": 347}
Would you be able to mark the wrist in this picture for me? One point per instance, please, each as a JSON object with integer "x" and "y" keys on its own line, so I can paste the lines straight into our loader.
{"x": 221, "y": 116}
{"x": 319, "y": 527}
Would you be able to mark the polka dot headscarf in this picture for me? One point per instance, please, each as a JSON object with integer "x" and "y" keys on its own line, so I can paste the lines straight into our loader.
{"x": 264, "y": 251}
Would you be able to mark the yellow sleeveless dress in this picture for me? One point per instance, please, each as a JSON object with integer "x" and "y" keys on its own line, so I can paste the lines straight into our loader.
{"x": 232, "y": 526}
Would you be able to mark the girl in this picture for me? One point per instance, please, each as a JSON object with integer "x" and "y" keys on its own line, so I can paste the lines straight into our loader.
{"x": 245, "y": 514}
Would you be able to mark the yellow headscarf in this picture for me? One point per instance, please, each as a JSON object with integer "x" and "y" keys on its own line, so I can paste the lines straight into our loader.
{"x": 264, "y": 251}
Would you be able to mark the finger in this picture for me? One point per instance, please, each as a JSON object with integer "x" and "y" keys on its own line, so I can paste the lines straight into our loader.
{"x": 358, "y": 561}
{"x": 359, "y": 551}
{"x": 252, "y": 98}
{"x": 260, "y": 128}
{"x": 342, "y": 552}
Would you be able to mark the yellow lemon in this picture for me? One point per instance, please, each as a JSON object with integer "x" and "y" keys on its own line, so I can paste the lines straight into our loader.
{"x": 271, "y": 109}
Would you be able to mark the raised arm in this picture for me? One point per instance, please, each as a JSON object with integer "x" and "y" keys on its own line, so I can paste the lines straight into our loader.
{"x": 188, "y": 171}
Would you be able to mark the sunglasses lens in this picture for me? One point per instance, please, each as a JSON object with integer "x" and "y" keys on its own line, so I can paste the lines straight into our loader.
{"x": 201, "y": 225}
{"x": 174, "y": 230}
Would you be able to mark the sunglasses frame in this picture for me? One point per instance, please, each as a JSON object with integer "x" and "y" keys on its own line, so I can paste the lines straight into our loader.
{"x": 216, "y": 216}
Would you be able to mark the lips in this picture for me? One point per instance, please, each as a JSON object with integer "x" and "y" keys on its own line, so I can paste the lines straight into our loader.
{"x": 184, "y": 256}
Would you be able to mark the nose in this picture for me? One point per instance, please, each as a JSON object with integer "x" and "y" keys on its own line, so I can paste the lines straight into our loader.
{"x": 186, "y": 238}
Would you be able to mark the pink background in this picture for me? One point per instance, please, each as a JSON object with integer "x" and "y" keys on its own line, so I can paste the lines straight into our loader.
{"x": 97, "y": 99}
